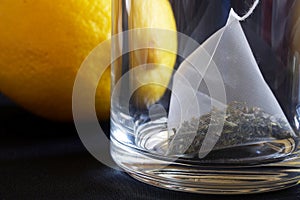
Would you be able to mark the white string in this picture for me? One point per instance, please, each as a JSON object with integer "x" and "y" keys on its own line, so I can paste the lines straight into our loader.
{"x": 248, "y": 13}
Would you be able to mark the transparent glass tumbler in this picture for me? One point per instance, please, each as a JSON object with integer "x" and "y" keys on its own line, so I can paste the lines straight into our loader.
{"x": 245, "y": 142}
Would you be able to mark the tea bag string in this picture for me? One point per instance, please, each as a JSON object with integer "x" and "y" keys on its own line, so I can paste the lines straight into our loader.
{"x": 252, "y": 8}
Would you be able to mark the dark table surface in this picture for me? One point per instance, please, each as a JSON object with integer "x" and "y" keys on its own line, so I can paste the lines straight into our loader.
{"x": 40, "y": 159}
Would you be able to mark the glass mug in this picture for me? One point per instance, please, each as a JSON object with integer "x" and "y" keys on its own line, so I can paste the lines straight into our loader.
{"x": 204, "y": 98}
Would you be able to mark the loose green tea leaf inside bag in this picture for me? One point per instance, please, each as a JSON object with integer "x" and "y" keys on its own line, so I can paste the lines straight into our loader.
{"x": 221, "y": 108}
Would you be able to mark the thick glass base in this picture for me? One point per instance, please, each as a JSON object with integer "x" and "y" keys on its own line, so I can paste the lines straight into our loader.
{"x": 255, "y": 167}
{"x": 188, "y": 177}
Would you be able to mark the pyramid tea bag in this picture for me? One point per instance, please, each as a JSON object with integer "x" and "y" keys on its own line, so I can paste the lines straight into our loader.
{"x": 221, "y": 108}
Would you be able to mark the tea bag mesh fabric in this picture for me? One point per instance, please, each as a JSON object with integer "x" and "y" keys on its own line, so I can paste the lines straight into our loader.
{"x": 218, "y": 80}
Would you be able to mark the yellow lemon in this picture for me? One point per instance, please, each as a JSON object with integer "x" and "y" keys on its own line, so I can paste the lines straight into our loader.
{"x": 154, "y": 27}
{"x": 43, "y": 44}
{"x": 295, "y": 31}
